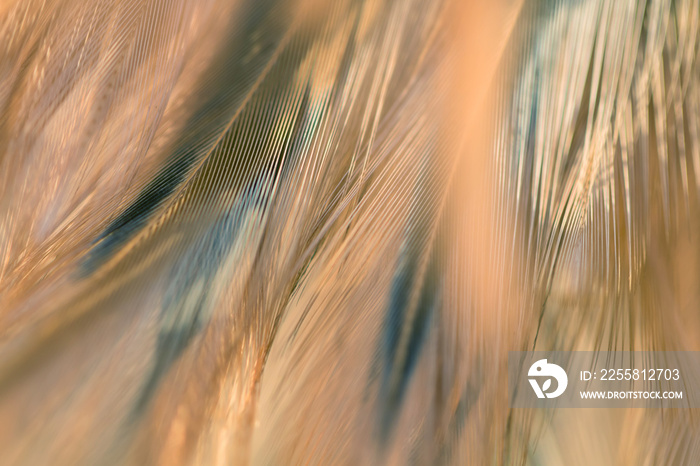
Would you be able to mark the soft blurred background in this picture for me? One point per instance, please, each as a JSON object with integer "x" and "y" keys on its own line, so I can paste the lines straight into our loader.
{"x": 309, "y": 232}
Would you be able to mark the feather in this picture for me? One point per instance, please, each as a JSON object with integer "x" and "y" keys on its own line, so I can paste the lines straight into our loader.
{"x": 304, "y": 232}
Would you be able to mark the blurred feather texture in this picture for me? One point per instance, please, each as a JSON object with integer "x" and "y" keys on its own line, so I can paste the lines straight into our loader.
{"x": 306, "y": 232}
